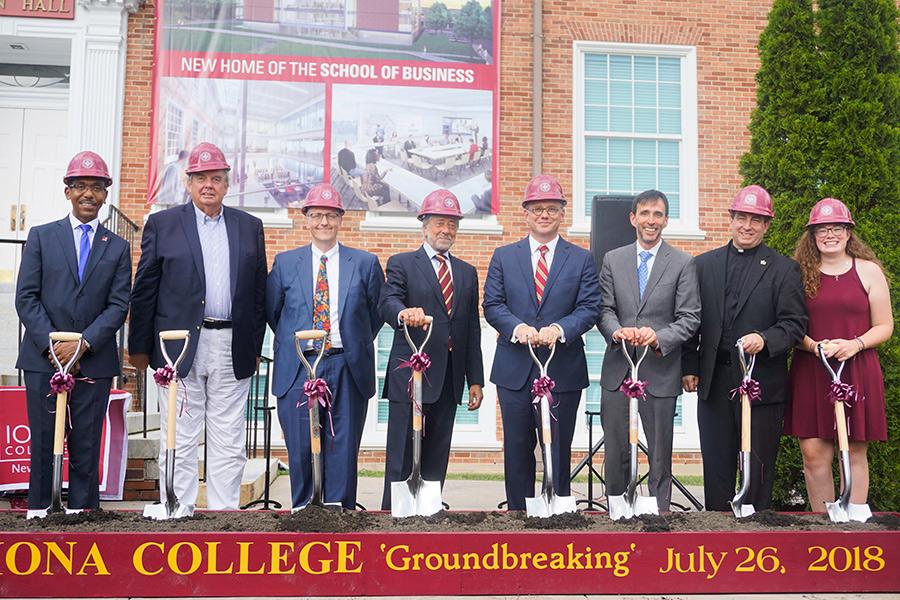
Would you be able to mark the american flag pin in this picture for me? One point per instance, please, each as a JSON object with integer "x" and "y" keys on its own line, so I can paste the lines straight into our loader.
{"x": 104, "y": 238}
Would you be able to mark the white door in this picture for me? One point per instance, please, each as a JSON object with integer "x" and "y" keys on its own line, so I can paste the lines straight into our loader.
{"x": 32, "y": 164}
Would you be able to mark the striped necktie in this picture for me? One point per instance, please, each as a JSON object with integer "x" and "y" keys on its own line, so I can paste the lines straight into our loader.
{"x": 541, "y": 273}
{"x": 445, "y": 281}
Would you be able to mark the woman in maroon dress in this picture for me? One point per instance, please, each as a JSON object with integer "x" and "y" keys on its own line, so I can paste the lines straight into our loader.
{"x": 849, "y": 308}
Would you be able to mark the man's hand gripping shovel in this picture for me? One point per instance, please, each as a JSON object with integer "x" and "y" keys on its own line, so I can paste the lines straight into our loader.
{"x": 415, "y": 496}
{"x": 748, "y": 386}
{"x": 843, "y": 510}
{"x": 62, "y": 383}
{"x": 168, "y": 376}
{"x": 547, "y": 503}
{"x": 631, "y": 504}
{"x": 316, "y": 391}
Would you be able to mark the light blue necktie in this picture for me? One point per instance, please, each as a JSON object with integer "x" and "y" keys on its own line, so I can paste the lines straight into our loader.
{"x": 84, "y": 249}
{"x": 643, "y": 272}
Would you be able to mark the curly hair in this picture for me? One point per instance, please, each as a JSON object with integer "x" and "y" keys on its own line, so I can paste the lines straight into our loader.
{"x": 807, "y": 254}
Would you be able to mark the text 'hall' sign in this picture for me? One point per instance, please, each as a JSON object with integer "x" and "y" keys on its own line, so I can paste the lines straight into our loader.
{"x": 41, "y": 9}
{"x": 412, "y": 564}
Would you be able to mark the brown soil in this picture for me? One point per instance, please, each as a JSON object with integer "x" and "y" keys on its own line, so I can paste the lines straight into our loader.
{"x": 313, "y": 520}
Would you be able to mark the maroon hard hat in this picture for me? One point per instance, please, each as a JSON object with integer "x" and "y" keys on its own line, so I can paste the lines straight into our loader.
{"x": 87, "y": 164}
{"x": 753, "y": 199}
{"x": 323, "y": 196}
{"x": 206, "y": 156}
{"x": 829, "y": 210}
{"x": 441, "y": 203}
{"x": 544, "y": 187}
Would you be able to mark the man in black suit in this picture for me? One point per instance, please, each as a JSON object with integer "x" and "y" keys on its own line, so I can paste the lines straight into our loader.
{"x": 75, "y": 276}
{"x": 347, "y": 160}
{"x": 203, "y": 268}
{"x": 752, "y": 293}
{"x": 430, "y": 281}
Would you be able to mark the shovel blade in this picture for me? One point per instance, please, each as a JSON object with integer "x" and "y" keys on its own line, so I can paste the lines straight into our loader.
{"x": 740, "y": 509}
{"x": 620, "y": 508}
{"x": 424, "y": 503}
{"x": 645, "y": 505}
{"x": 537, "y": 507}
{"x": 158, "y": 512}
{"x": 336, "y": 506}
{"x": 560, "y": 505}
{"x": 40, "y": 513}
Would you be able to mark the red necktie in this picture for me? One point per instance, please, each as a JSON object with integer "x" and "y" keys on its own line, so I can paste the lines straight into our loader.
{"x": 445, "y": 282}
{"x": 541, "y": 273}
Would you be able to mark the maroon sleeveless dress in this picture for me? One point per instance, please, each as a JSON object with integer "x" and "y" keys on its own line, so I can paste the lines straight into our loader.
{"x": 839, "y": 310}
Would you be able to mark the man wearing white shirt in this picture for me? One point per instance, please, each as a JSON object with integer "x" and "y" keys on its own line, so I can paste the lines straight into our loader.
{"x": 333, "y": 288}
{"x": 431, "y": 281}
{"x": 649, "y": 297}
{"x": 541, "y": 290}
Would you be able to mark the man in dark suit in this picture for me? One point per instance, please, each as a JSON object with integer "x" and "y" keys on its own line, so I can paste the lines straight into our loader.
{"x": 75, "y": 276}
{"x": 431, "y": 281}
{"x": 347, "y": 160}
{"x": 649, "y": 297}
{"x": 542, "y": 290}
{"x": 331, "y": 287}
{"x": 203, "y": 268}
{"x": 752, "y": 293}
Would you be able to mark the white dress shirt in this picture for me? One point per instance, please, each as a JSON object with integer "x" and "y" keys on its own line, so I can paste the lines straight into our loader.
{"x": 435, "y": 264}
{"x": 653, "y": 252}
{"x": 77, "y": 233}
{"x": 332, "y": 268}
{"x": 535, "y": 256}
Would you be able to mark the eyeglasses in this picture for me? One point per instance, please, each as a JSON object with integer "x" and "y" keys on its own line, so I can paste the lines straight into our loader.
{"x": 316, "y": 217}
{"x": 824, "y": 230}
{"x": 550, "y": 211}
{"x": 80, "y": 187}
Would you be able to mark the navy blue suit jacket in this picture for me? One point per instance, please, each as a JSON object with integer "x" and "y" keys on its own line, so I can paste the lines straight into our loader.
{"x": 49, "y": 296}
{"x": 289, "y": 308}
{"x": 571, "y": 299}
{"x": 412, "y": 282}
{"x": 170, "y": 286}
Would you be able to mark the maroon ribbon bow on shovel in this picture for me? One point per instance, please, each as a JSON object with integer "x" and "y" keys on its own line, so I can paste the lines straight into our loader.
{"x": 317, "y": 390}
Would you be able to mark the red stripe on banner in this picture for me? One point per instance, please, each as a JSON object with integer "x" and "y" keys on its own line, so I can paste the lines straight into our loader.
{"x": 326, "y": 173}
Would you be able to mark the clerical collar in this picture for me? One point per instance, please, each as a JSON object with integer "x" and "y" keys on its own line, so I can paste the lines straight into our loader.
{"x": 742, "y": 251}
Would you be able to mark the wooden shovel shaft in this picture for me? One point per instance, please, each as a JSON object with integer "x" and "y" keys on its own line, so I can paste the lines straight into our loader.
{"x": 633, "y": 421}
{"x": 59, "y": 423}
{"x": 417, "y": 400}
{"x": 841, "y": 423}
{"x": 745, "y": 423}
{"x": 315, "y": 430}
{"x": 170, "y": 416}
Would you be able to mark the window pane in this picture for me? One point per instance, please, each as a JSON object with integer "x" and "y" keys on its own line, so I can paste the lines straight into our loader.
{"x": 620, "y": 93}
{"x": 645, "y": 120}
{"x": 678, "y": 412}
{"x": 382, "y": 405}
{"x": 644, "y": 178}
{"x": 668, "y": 153}
{"x": 674, "y": 204}
{"x": 464, "y": 416}
{"x": 668, "y": 180}
{"x": 595, "y": 92}
{"x": 669, "y": 69}
{"x": 620, "y": 179}
{"x": 645, "y": 94}
{"x": 620, "y": 119}
{"x": 595, "y": 177}
{"x": 595, "y": 150}
{"x": 670, "y": 121}
{"x": 619, "y": 67}
{"x": 595, "y": 66}
{"x": 645, "y": 68}
{"x": 644, "y": 152}
{"x": 620, "y": 151}
{"x": 596, "y": 118}
{"x": 592, "y": 402}
{"x": 670, "y": 95}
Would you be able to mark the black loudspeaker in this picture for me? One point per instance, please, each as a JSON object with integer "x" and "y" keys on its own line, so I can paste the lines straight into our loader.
{"x": 610, "y": 225}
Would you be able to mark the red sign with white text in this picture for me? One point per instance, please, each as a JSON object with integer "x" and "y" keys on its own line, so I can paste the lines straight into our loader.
{"x": 38, "y": 9}
{"x": 416, "y": 564}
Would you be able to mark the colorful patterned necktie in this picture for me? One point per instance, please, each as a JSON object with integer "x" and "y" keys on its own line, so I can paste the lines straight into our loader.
{"x": 84, "y": 249}
{"x": 321, "y": 307}
{"x": 541, "y": 273}
{"x": 643, "y": 272}
{"x": 445, "y": 282}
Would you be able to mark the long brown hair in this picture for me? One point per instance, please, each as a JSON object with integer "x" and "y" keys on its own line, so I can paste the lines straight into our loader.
{"x": 807, "y": 254}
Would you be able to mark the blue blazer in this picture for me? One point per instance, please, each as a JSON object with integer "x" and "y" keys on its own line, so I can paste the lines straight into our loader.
{"x": 49, "y": 296}
{"x": 571, "y": 299}
{"x": 170, "y": 286}
{"x": 289, "y": 308}
{"x": 411, "y": 281}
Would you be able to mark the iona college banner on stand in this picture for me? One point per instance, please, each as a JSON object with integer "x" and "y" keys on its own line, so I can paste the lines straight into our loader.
{"x": 386, "y": 99}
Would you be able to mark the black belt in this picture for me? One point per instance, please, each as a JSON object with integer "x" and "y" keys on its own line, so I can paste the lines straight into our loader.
{"x": 216, "y": 324}
{"x": 329, "y": 352}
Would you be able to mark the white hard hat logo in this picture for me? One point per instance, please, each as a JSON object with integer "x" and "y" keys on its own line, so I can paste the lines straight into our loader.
{"x": 326, "y": 195}
{"x": 87, "y": 163}
{"x": 750, "y": 199}
{"x": 545, "y": 186}
{"x": 205, "y": 156}
{"x": 827, "y": 210}
{"x": 448, "y": 202}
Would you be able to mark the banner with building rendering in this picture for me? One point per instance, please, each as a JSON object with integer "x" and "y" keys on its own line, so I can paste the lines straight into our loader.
{"x": 386, "y": 99}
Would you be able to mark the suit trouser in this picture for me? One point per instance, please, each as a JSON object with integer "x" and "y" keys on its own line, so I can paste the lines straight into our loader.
{"x": 657, "y": 419}
{"x": 209, "y": 394}
{"x": 87, "y": 409}
{"x": 719, "y": 420}
{"x": 437, "y": 435}
{"x": 521, "y": 424}
{"x": 339, "y": 450}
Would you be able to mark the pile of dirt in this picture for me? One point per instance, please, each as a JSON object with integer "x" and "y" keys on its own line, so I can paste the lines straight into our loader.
{"x": 322, "y": 520}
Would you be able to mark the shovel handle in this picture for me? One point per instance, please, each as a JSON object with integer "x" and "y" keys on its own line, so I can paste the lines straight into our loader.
{"x": 310, "y": 334}
{"x": 65, "y": 336}
{"x": 59, "y": 423}
{"x": 745, "y": 423}
{"x": 840, "y": 420}
{"x": 170, "y": 414}
{"x": 174, "y": 334}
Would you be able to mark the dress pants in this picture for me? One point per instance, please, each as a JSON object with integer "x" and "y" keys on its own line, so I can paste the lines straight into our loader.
{"x": 719, "y": 419}
{"x": 87, "y": 409}
{"x": 209, "y": 394}
{"x": 657, "y": 419}
{"x": 521, "y": 425}
{"x": 437, "y": 435}
{"x": 340, "y": 450}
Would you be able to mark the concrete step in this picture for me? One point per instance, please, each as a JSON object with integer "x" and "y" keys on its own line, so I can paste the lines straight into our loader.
{"x": 135, "y": 422}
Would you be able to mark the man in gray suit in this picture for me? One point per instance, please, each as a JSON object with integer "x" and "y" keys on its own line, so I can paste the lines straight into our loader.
{"x": 649, "y": 297}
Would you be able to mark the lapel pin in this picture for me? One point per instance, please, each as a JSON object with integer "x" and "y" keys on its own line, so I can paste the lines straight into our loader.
{"x": 104, "y": 238}
{"x": 762, "y": 262}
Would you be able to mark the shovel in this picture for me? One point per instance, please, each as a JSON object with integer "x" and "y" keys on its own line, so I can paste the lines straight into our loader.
{"x": 172, "y": 509}
{"x": 315, "y": 426}
{"x": 631, "y": 504}
{"x": 548, "y": 503}
{"x": 738, "y": 507}
{"x": 59, "y": 428}
{"x": 843, "y": 510}
{"x": 415, "y": 496}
